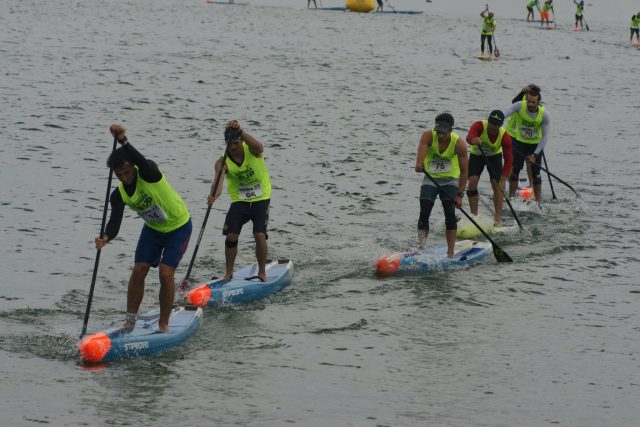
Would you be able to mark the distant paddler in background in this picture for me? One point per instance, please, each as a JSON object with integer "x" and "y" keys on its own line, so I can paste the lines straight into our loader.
{"x": 380, "y": 7}
{"x": 579, "y": 17}
{"x": 530, "y": 6}
{"x": 249, "y": 187}
{"x": 490, "y": 144}
{"x": 486, "y": 33}
{"x": 167, "y": 225}
{"x": 544, "y": 13}
{"x": 442, "y": 154}
{"x": 529, "y": 130}
{"x": 635, "y": 29}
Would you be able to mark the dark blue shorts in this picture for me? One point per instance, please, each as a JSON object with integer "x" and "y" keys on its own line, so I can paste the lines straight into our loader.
{"x": 242, "y": 212}
{"x": 157, "y": 248}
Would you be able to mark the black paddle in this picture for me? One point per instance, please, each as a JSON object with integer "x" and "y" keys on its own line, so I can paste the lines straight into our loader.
{"x": 503, "y": 193}
{"x": 501, "y": 256}
{"x": 98, "y": 251}
{"x": 544, "y": 159}
{"x": 550, "y": 174}
{"x": 216, "y": 181}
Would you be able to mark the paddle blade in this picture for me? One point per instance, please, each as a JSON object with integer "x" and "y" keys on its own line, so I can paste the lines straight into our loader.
{"x": 501, "y": 256}
{"x": 496, "y": 52}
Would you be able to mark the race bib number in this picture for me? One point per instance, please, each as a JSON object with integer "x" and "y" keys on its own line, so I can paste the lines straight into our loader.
{"x": 440, "y": 166}
{"x": 153, "y": 213}
{"x": 250, "y": 191}
{"x": 528, "y": 133}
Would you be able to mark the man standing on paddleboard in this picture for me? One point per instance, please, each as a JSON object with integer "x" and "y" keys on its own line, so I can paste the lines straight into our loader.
{"x": 488, "y": 27}
{"x": 635, "y": 28}
{"x": 442, "y": 154}
{"x": 490, "y": 144}
{"x": 530, "y": 13}
{"x": 167, "y": 225}
{"x": 249, "y": 187}
{"x": 529, "y": 130}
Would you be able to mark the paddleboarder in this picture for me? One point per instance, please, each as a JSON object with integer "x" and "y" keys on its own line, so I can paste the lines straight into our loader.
{"x": 530, "y": 6}
{"x": 529, "y": 131}
{"x": 635, "y": 28}
{"x": 249, "y": 187}
{"x": 443, "y": 155}
{"x": 544, "y": 13}
{"x": 579, "y": 10}
{"x": 167, "y": 225}
{"x": 486, "y": 33}
{"x": 490, "y": 145}
{"x": 380, "y": 7}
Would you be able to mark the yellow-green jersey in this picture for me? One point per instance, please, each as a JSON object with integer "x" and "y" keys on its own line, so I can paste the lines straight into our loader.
{"x": 157, "y": 203}
{"x": 488, "y": 25}
{"x": 445, "y": 164}
{"x": 489, "y": 148}
{"x": 248, "y": 182}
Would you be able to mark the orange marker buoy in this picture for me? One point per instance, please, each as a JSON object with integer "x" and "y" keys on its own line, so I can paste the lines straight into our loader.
{"x": 387, "y": 265}
{"x": 94, "y": 347}
{"x": 199, "y": 296}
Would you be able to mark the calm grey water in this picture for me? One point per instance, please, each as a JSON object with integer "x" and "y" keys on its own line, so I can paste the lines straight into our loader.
{"x": 340, "y": 101}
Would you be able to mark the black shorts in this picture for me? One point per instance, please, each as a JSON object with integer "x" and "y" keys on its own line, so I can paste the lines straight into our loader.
{"x": 241, "y": 212}
{"x": 494, "y": 166}
{"x": 530, "y": 9}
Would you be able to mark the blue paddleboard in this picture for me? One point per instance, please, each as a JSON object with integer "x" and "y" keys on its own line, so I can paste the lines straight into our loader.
{"x": 245, "y": 286}
{"x": 433, "y": 258}
{"x": 144, "y": 339}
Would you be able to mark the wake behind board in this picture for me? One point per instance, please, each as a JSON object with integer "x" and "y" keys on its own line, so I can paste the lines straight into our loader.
{"x": 245, "y": 286}
{"x": 144, "y": 339}
{"x": 433, "y": 258}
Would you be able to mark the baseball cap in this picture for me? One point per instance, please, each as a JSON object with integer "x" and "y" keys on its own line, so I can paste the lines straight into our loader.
{"x": 496, "y": 117}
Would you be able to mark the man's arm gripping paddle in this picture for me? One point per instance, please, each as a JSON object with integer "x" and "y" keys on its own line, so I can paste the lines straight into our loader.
{"x": 557, "y": 179}
{"x": 501, "y": 256}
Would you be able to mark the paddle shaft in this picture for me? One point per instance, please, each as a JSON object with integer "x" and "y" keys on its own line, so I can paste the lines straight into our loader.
{"x": 550, "y": 174}
{"x": 506, "y": 198}
{"x": 544, "y": 159}
{"x": 98, "y": 251}
{"x": 501, "y": 256}
{"x": 214, "y": 186}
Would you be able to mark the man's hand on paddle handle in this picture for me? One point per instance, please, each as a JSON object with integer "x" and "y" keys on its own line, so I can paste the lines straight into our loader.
{"x": 533, "y": 159}
{"x": 419, "y": 167}
{"x": 118, "y": 131}
{"x": 234, "y": 124}
{"x": 101, "y": 241}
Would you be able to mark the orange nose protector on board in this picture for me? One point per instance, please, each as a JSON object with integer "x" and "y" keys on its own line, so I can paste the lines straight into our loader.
{"x": 94, "y": 347}
{"x": 199, "y": 296}
{"x": 387, "y": 265}
{"x": 526, "y": 193}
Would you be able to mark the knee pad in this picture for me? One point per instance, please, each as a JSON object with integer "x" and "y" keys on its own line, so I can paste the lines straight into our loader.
{"x": 230, "y": 243}
{"x": 450, "y": 215}
{"x": 472, "y": 193}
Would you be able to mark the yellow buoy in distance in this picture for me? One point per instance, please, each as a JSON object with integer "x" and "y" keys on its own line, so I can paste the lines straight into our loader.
{"x": 360, "y": 5}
